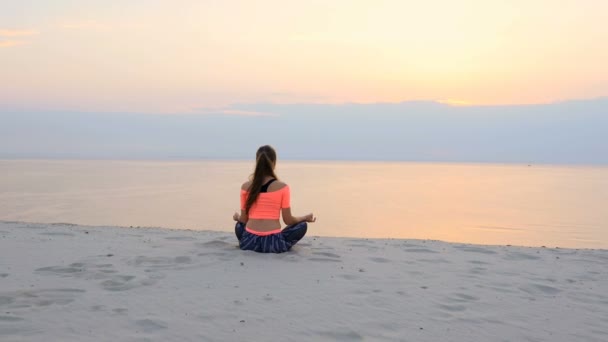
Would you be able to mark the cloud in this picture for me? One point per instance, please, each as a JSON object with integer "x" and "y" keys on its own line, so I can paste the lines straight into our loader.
{"x": 237, "y": 112}
{"x": 9, "y": 43}
{"x": 17, "y": 33}
{"x": 455, "y": 102}
{"x": 572, "y": 132}
{"x": 246, "y": 112}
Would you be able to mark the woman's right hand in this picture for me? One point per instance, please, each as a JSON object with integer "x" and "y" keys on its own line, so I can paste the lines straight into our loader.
{"x": 310, "y": 218}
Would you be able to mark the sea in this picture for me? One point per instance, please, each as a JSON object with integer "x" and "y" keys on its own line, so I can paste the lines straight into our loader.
{"x": 492, "y": 204}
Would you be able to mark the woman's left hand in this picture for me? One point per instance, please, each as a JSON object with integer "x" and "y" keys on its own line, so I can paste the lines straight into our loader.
{"x": 236, "y": 216}
{"x": 310, "y": 218}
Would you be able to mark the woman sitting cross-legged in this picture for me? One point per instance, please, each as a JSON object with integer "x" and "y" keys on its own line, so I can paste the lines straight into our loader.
{"x": 263, "y": 199}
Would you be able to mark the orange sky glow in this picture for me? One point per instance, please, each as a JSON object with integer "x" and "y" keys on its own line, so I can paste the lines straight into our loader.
{"x": 168, "y": 57}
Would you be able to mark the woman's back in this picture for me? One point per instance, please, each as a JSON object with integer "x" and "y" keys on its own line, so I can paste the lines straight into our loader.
{"x": 274, "y": 196}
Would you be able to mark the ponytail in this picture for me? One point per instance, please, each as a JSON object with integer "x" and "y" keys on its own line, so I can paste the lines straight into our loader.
{"x": 264, "y": 166}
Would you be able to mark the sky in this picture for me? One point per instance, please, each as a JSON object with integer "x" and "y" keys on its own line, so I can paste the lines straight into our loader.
{"x": 469, "y": 80}
{"x": 196, "y": 56}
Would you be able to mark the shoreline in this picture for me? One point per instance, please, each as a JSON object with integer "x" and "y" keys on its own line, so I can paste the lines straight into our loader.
{"x": 91, "y": 226}
{"x": 74, "y": 283}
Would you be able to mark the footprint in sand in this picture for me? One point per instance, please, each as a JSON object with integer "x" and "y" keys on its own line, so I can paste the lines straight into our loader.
{"x": 32, "y": 226}
{"x": 472, "y": 249}
{"x": 105, "y": 269}
{"x": 462, "y": 297}
{"x": 3, "y": 275}
{"x": 348, "y": 276}
{"x": 63, "y": 224}
{"x": 338, "y": 335}
{"x": 478, "y": 270}
{"x": 180, "y": 238}
{"x": 418, "y": 250}
{"x": 62, "y": 270}
{"x": 500, "y": 287}
{"x": 408, "y": 245}
{"x": 324, "y": 260}
{"x": 38, "y": 298}
{"x": 379, "y": 260}
{"x": 216, "y": 244}
{"x": 120, "y": 311}
{"x": 151, "y": 325}
{"x": 80, "y": 270}
{"x": 603, "y": 257}
{"x": 131, "y": 235}
{"x": 452, "y": 308}
{"x": 183, "y": 260}
{"x": 520, "y": 256}
{"x": 361, "y": 243}
{"x": 125, "y": 282}
{"x": 326, "y": 254}
{"x": 477, "y": 262}
{"x": 6, "y": 300}
{"x": 434, "y": 261}
{"x": 10, "y": 319}
{"x": 57, "y": 234}
{"x": 538, "y": 289}
{"x": 159, "y": 261}
{"x": 220, "y": 254}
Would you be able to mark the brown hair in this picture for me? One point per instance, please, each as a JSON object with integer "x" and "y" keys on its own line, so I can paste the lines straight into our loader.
{"x": 265, "y": 158}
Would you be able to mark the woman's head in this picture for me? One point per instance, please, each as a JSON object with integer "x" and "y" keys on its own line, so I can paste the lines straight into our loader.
{"x": 265, "y": 161}
{"x": 266, "y": 156}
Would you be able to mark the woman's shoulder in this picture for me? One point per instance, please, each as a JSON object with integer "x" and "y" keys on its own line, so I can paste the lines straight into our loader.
{"x": 246, "y": 186}
{"x": 277, "y": 185}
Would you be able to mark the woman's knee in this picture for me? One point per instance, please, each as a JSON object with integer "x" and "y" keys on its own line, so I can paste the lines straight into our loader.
{"x": 301, "y": 225}
{"x": 295, "y": 232}
{"x": 239, "y": 228}
{"x": 302, "y": 230}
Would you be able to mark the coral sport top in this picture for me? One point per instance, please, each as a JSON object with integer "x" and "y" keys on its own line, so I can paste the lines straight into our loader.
{"x": 268, "y": 205}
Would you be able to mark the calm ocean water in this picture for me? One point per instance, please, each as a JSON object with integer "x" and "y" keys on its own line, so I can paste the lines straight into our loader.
{"x": 538, "y": 205}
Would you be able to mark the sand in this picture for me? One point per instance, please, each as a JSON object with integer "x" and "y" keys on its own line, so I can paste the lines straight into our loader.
{"x": 61, "y": 282}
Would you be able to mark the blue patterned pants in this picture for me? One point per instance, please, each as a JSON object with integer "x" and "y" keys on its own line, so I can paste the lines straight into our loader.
{"x": 274, "y": 243}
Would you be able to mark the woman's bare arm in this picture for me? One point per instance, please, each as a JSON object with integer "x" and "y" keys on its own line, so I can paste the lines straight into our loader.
{"x": 289, "y": 219}
{"x": 243, "y": 217}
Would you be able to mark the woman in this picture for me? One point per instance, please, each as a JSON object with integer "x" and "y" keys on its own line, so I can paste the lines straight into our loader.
{"x": 263, "y": 199}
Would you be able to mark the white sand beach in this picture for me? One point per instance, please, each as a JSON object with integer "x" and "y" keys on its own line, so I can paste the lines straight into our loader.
{"x": 61, "y": 282}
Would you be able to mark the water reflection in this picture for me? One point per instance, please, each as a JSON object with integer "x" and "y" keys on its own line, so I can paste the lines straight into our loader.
{"x": 476, "y": 203}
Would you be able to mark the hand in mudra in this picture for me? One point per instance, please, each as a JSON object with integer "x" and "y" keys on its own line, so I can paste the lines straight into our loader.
{"x": 310, "y": 218}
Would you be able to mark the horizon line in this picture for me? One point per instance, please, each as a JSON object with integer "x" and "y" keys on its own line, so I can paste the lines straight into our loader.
{"x": 289, "y": 159}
